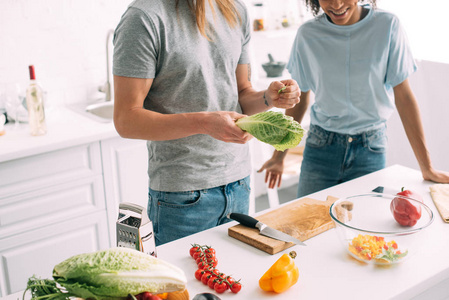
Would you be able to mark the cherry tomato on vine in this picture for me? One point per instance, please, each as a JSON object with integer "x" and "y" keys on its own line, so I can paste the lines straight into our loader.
{"x": 210, "y": 251}
{"x": 220, "y": 287}
{"x": 199, "y": 260}
{"x": 197, "y": 254}
{"x": 206, "y": 260}
{"x": 213, "y": 262}
{"x": 203, "y": 265}
{"x": 229, "y": 281}
{"x": 199, "y": 273}
{"x": 205, "y": 277}
{"x": 236, "y": 287}
{"x": 211, "y": 282}
{"x": 193, "y": 250}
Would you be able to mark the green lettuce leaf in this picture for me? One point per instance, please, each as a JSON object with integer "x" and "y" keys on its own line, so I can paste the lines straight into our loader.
{"x": 274, "y": 128}
{"x": 391, "y": 255}
{"x": 109, "y": 274}
{"x": 117, "y": 272}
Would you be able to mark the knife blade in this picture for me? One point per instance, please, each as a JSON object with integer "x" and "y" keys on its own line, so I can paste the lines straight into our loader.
{"x": 249, "y": 221}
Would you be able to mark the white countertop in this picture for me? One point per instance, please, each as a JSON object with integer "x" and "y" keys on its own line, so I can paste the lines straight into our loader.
{"x": 325, "y": 270}
{"x": 65, "y": 128}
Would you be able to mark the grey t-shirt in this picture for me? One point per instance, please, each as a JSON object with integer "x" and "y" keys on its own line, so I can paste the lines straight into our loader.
{"x": 191, "y": 74}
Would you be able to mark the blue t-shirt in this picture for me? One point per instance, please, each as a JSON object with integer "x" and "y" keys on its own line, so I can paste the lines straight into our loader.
{"x": 351, "y": 70}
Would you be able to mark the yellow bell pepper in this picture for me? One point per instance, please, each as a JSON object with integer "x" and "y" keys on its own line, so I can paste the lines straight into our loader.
{"x": 282, "y": 274}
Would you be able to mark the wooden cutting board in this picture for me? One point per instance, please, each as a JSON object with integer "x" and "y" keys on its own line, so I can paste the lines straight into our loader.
{"x": 302, "y": 219}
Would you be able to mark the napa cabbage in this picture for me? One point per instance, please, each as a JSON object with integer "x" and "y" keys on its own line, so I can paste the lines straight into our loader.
{"x": 274, "y": 128}
{"x": 109, "y": 274}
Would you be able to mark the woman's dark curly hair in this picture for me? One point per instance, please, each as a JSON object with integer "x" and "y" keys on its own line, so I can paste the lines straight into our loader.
{"x": 314, "y": 5}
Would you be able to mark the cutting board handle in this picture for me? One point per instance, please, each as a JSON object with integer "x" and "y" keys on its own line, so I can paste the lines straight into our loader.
{"x": 244, "y": 219}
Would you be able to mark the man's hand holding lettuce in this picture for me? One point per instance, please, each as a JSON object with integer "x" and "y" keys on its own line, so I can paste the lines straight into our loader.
{"x": 274, "y": 128}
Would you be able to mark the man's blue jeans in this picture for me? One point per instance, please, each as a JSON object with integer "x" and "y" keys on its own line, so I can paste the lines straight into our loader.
{"x": 331, "y": 158}
{"x": 179, "y": 214}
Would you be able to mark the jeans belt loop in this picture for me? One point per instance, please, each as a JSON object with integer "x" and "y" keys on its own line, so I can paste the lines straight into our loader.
{"x": 330, "y": 137}
{"x": 364, "y": 139}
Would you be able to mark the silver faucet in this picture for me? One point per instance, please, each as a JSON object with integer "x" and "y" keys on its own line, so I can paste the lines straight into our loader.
{"x": 107, "y": 88}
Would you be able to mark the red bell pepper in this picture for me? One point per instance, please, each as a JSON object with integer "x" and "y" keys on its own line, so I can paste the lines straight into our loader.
{"x": 404, "y": 211}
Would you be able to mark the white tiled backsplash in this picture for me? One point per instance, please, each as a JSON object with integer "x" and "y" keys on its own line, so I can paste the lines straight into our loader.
{"x": 64, "y": 39}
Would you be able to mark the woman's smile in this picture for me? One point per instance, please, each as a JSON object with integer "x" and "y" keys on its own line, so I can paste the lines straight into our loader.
{"x": 341, "y": 12}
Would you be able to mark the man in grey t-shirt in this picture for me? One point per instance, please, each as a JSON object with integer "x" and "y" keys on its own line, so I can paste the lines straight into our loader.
{"x": 182, "y": 78}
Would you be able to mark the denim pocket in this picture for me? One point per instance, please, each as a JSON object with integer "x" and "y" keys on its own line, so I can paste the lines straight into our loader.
{"x": 316, "y": 139}
{"x": 377, "y": 143}
{"x": 179, "y": 199}
{"x": 175, "y": 214}
{"x": 245, "y": 182}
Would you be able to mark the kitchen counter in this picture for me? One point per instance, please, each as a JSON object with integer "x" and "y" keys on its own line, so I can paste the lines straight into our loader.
{"x": 325, "y": 270}
{"x": 60, "y": 192}
{"x": 65, "y": 128}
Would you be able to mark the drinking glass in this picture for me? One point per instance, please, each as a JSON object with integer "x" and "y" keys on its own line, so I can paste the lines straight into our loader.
{"x": 14, "y": 99}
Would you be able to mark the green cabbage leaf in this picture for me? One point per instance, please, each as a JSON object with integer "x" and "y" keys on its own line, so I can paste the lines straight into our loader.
{"x": 109, "y": 274}
{"x": 274, "y": 128}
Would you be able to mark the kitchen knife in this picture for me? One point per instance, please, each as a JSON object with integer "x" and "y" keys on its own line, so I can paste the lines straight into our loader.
{"x": 248, "y": 221}
{"x": 384, "y": 190}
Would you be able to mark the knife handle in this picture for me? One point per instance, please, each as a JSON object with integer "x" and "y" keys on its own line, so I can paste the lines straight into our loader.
{"x": 244, "y": 219}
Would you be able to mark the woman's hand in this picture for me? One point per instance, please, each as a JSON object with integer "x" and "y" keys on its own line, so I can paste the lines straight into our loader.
{"x": 221, "y": 126}
{"x": 274, "y": 168}
{"x": 436, "y": 175}
{"x": 283, "y": 94}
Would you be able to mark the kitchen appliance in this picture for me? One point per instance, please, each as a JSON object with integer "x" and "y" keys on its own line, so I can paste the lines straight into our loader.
{"x": 301, "y": 219}
{"x": 135, "y": 229}
{"x": 263, "y": 228}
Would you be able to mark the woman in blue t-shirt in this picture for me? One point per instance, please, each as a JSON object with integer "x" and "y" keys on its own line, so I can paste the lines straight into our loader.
{"x": 356, "y": 60}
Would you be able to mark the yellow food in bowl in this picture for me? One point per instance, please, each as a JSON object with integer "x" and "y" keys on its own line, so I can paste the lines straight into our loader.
{"x": 370, "y": 247}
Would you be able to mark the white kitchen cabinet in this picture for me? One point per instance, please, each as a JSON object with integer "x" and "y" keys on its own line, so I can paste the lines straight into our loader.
{"x": 36, "y": 252}
{"x": 125, "y": 164}
{"x": 52, "y": 206}
{"x": 65, "y": 202}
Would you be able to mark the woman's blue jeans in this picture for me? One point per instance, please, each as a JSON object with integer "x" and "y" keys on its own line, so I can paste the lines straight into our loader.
{"x": 331, "y": 158}
{"x": 179, "y": 214}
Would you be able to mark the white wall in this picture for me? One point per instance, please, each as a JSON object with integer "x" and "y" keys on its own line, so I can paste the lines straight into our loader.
{"x": 426, "y": 26}
{"x": 64, "y": 39}
{"x": 430, "y": 85}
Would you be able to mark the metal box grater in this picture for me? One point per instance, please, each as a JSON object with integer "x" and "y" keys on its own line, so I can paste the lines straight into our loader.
{"x": 135, "y": 229}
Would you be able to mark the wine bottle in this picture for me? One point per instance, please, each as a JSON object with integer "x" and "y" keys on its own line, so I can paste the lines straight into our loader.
{"x": 35, "y": 105}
